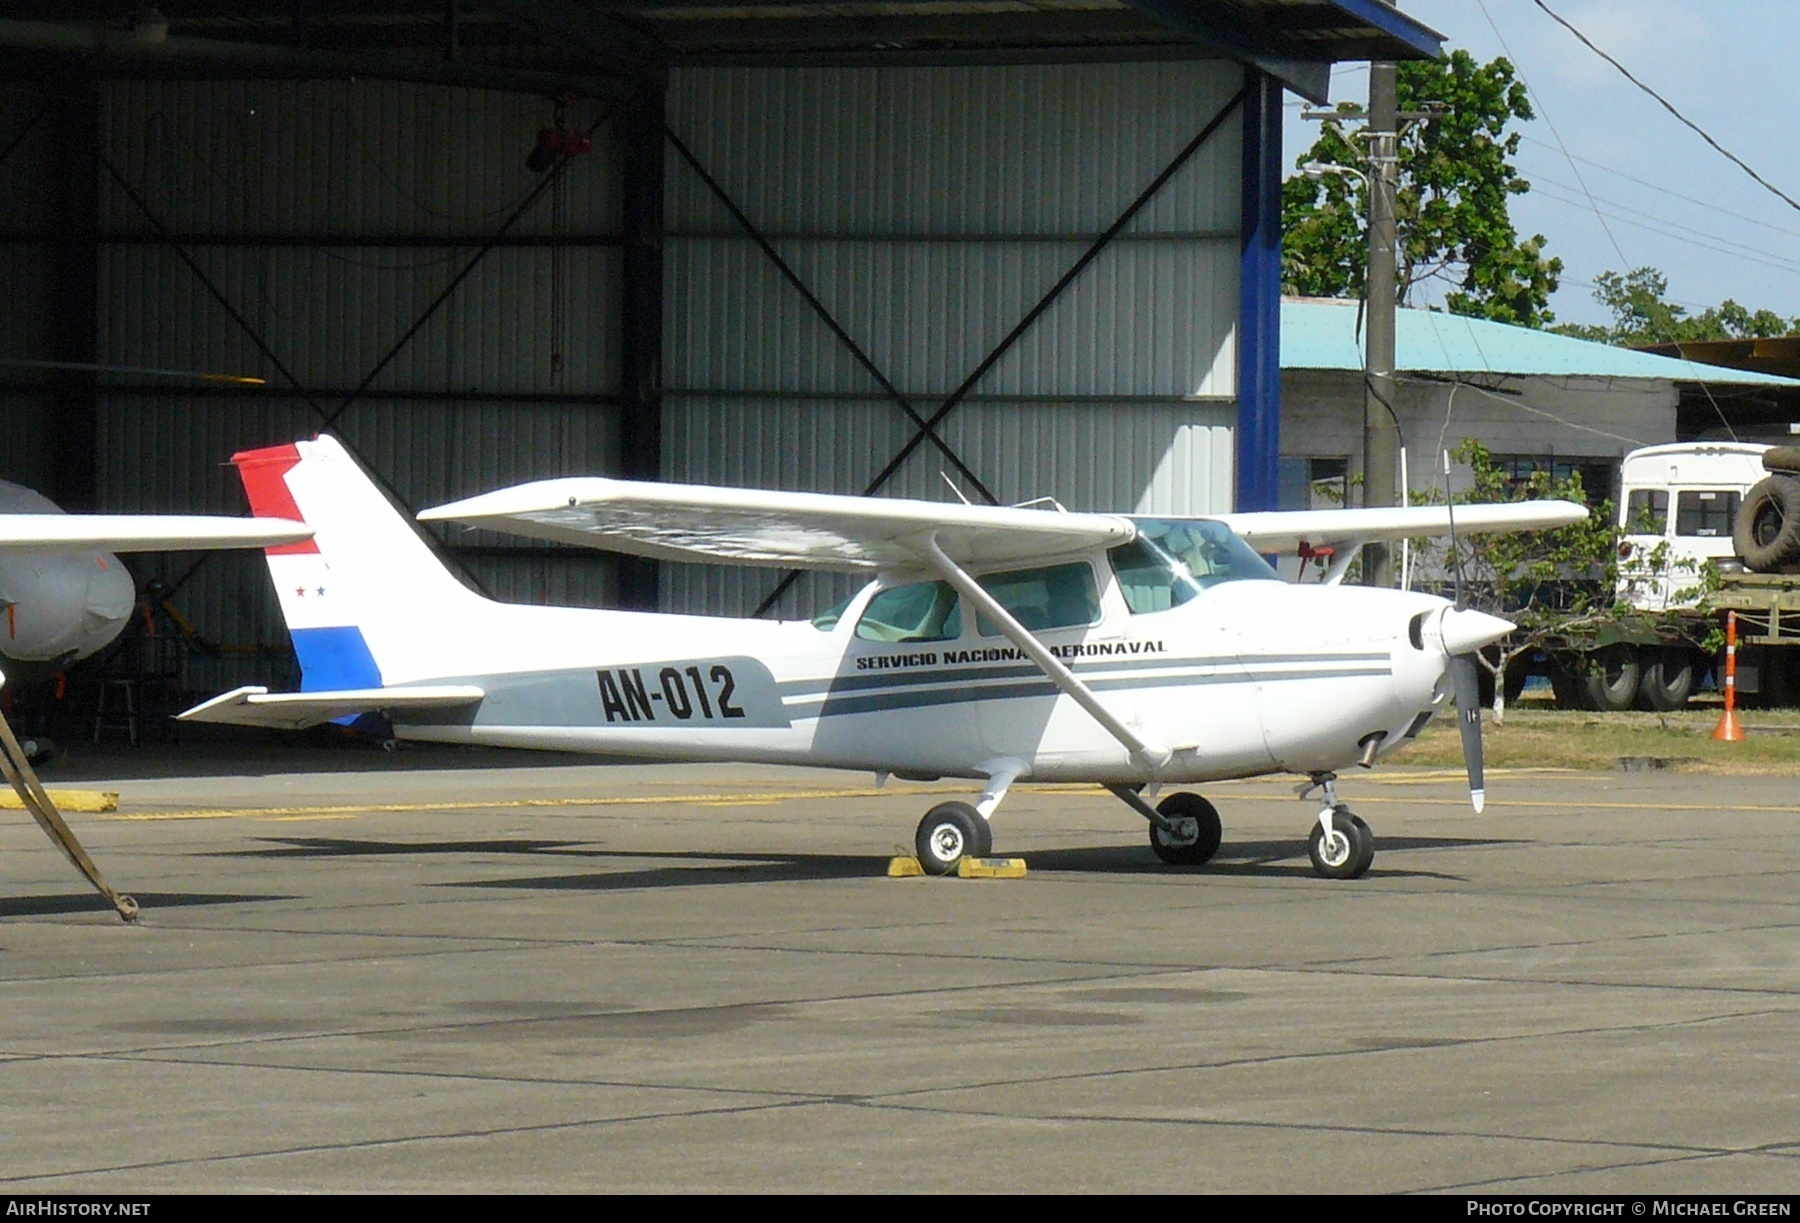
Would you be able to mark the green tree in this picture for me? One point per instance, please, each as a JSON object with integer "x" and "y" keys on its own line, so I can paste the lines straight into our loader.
{"x": 1643, "y": 314}
{"x": 1451, "y": 212}
{"x": 1557, "y": 586}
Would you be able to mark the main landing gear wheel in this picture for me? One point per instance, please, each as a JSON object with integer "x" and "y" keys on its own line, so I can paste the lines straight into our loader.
{"x": 1348, "y": 852}
{"x": 949, "y": 833}
{"x": 1197, "y": 830}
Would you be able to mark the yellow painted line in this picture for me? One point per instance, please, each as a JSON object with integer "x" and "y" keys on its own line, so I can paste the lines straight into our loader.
{"x": 66, "y": 800}
{"x": 764, "y": 798}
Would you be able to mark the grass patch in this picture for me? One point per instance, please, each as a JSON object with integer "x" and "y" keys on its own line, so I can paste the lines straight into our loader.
{"x": 1537, "y": 737}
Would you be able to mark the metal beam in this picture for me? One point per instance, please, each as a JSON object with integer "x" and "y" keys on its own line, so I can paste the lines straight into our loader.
{"x": 103, "y": 54}
{"x": 1259, "y": 306}
{"x": 641, "y": 143}
{"x": 1222, "y": 26}
{"x": 615, "y": 47}
{"x": 75, "y": 409}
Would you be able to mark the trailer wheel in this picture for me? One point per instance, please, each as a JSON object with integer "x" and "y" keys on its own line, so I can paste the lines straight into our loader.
{"x": 1610, "y": 678}
{"x": 1667, "y": 679}
{"x": 1766, "y": 532}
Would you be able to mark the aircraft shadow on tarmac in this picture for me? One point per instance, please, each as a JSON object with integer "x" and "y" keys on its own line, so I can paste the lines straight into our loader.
{"x": 1244, "y": 859}
{"x": 1272, "y": 859}
{"x": 344, "y": 847}
{"x": 149, "y": 902}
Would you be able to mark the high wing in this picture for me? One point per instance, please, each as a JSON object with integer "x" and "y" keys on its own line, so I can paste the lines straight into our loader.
{"x": 256, "y": 706}
{"x": 1286, "y": 530}
{"x": 745, "y": 526}
{"x": 144, "y": 532}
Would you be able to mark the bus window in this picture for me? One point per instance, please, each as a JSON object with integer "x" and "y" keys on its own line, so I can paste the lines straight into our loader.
{"x": 1707, "y": 513}
{"x": 1647, "y": 512}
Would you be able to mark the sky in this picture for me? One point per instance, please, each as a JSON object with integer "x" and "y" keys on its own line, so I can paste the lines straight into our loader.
{"x": 1729, "y": 65}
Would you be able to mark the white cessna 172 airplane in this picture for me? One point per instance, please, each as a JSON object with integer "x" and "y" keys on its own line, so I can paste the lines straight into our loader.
{"x": 993, "y": 643}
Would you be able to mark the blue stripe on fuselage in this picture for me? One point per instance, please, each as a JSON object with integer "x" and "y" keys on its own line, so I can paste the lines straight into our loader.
{"x": 332, "y": 659}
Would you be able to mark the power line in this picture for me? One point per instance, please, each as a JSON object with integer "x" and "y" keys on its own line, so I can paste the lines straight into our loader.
{"x": 1723, "y": 246}
{"x": 1644, "y": 182}
{"x": 1669, "y": 106}
{"x": 1551, "y": 124}
{"x": 1700, "y": 237}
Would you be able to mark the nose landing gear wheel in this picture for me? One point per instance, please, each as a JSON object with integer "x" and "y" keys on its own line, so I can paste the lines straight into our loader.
{"x": 949, "y": 833}
{"x": 1197, "y": 830}
{"x": 1348, "y": 852}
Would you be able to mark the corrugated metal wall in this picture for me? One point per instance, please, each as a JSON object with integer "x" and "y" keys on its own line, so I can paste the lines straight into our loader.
{"x": 26, "y": 208}
{"x": 329, "y": 216}
{"x": 929, "y": 209}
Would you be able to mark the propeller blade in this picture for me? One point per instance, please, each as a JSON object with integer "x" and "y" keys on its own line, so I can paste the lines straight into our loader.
{"x": 1468, "y": 719}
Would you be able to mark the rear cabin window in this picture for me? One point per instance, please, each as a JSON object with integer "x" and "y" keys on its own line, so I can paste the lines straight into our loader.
{"x": 1647, "y": 512}
{"x": 1706, "y": 513}
{"x": 923, "y": 611}
{"x": 1058, "y": 596}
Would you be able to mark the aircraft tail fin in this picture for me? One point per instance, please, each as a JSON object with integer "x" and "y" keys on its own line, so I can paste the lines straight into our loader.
{"x": 366, "y": 601}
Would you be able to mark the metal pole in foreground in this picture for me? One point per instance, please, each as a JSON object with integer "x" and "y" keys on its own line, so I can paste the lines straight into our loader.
{"x": 1381, "y": 433}
{"x": 1728, "y": 730}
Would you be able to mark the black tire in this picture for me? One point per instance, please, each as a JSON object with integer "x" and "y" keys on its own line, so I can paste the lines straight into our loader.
{"x": 1565, "y": 683}
{"x": 1183, "y": 851}
{"x": 1610, "y": 676}
{"x": 1782, "y": 458}
{"x": 949, "y": 833}
{"x": 1366, "y": 858}
{"x": 1343, "y": 858}
{"x": 1766, "y": 532}
{"x": 1667, "y": 680}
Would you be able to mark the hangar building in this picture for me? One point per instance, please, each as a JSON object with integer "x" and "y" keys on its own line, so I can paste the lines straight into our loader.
{"x": 850, "y": 247}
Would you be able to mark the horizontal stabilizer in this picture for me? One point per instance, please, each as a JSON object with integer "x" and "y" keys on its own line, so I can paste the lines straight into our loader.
{"x": 144, "y": 532}
{"x": 1285, "y": 530}
{"x": 254, "y": 706}
{"x": 746, "y": 526}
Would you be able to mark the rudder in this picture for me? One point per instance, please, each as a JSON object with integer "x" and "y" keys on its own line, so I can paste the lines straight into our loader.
{"x": 366, "y": 601}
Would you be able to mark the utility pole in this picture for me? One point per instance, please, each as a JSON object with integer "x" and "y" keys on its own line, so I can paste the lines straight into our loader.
{"x": 1381, "y": 433}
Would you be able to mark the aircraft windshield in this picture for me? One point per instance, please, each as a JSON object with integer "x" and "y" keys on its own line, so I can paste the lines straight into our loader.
{"x": 1172, "y": 560}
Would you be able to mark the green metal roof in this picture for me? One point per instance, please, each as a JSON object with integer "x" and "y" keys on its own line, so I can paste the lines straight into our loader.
{"x": 1325, "y": 335}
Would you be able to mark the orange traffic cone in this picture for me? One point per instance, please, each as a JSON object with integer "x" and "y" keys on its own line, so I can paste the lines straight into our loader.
{"x": 1729, "y": 730}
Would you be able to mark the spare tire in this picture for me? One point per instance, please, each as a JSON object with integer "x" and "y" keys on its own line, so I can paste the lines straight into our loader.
{"x": 1767, "y": 530}
{"x": 1782, "y": 458}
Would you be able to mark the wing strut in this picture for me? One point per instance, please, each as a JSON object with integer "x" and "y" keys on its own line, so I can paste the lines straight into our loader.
{"x": 1146, "y": 755}
{"x": 24, "y": 780}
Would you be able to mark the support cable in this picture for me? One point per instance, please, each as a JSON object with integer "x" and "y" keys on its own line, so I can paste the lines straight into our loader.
{"x": 262, "y": 346}
{"x": 1686, "y": 122}
{"x": 1031, "y": 316}
{"x": 544, "y": 184}
{"x": 19, "y": 139}
{"x": 818, "y": 307}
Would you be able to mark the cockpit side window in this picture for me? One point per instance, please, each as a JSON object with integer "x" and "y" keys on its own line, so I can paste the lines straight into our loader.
{"x": 1057, "y": 596}
{"x": 1150, "y": 579}
{"x": 1198, "y": 551}
{"x": 828, "y": 619}
{"x": 922, "y": 611}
